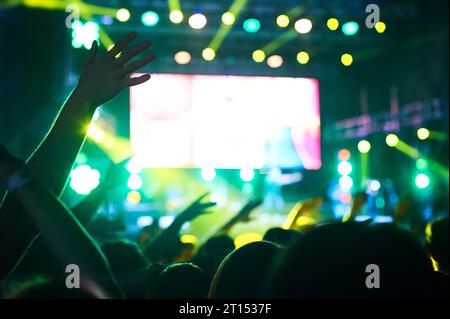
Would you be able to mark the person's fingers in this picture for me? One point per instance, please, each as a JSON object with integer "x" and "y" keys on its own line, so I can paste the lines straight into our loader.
{"x": 207, "y": 205}
{"x": 201, "y": 197}
{"x": 137, "y": 80}
{"x": 121, "y": 44}
{"x": 132, "y": 67}
{"x": 128, "y": 55}
{"x": 92, "y": 54}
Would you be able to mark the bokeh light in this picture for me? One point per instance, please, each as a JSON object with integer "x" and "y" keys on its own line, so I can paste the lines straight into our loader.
{"x": 380, "y": 27}
{"x": 364, "y": 146}
{"x": 84, "y": 179}
{"x": 275, "y": 61}
{"x": 347, "y": 59}
{"x": 303, "y": 26}
{"x": 303, "y": 57}
{"x": 208, "y": 54}
{"x": 283, "y": 21}
{"x": 134, "y": 182}
{"x": 182, "y": 57}
{"x": 423, "y": 133}
{"x": 176, "y": 16}
{"x": 247, "y": 174}
{"x": 228, "y": 18}
{"x": 258, "y": 56}
{"x": 123, "y": 15}
{"x": 134, "y": 197}
{"x": 344, "y": 154}
{"x": 346, "y": 182}
{"x": 208, "y": 174}
{"x": 422, "y": 181}
{"x": 333, "y": 24}
{"x": 392, "y": 140}
{"x": 197, "y": 21}
{"x": 350, "y": 28}
{"x": 251, "y": 25}
{"x": 344, "y": 168}
{"x": 150, "y": 18}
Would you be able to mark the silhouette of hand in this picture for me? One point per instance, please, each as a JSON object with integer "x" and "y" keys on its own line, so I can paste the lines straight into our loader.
{"x": 196, "y": 209}
{"x": 244, "y": 214}
{"x": 103, "y": 78}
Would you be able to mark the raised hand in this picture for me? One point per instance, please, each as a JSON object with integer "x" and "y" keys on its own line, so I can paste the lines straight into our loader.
{"x": 244, "y": 214}
{"x": 103, "y": 78}
{"x": 196, "y": 209}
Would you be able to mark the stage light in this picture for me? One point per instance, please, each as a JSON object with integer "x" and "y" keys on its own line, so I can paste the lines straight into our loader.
{"x": 228, "y": 18}
{"x": 251, "y": 25}
{"x": 380, "y": 27}
{"x": 182, "y": 57}
{"x": 134, "y": 182}
{"x": 150, "y": 18}
{"x": 123, "y": 15}
{"x": 95, "y": 133}
{"x": 421, "y": 164}
{"x": 347, "y": 59}
{"x": 346, "y": 182}
{"x": 422, "y": 181}
{"x": 364, "y": 146}
{"x": 208, "y": 54}
{"x": 303, "y": 26}
{"x": 374, "y": 186}
{"x": 84, "y": 34}
{"x": 208, "y": 174}
{"x": 143, "y": 221}
{"x": 258, "y": 56}
{"x": 189, "y": 239}
{"x": 81, "y": 158}
{"x": 246, "y": 238}
{"x": 344, "y": 168}
{"x": 83, "y": 179}
{"x": 275, "y": 61}
{"x": 197, "y": 21}
{"x": 344, "y": 155}
{"x": 303, "y": 57}
{"x": 392, "y": 140}
{"x": 423, "y": 133}
{"x": 283, "y": 21}
{"x": 134, "y": 197}
{"x": 247, "y": 174}
{"x": 350, "y": 28}
{"x": 333, "y": 24}
{"x": 176, "y": 16}
{"x": 134, "y": 166}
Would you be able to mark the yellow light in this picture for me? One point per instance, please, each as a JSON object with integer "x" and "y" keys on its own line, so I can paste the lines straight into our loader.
{"x": 208, "y": 54}
{"x": 228, "y": 18}
{"x": 123, "y": 15}
{"x": 176, "y": 16}
{"x": 189, "y": 239}
{"x": 134, "y": 197}
{"x": 182, "y": 57}
{"x": 305, "y": 221}
{"x": 303, "y": 26}
{"x": 380, "y": 27}
{"x": 347, "y": 59}
{"x": 197, "y": 21}
{"x": 246, "y": 238}
{"x": 423, "y": 133}
{"x": 333, "y": 24}
{"x": 283, "y": 21}
{"x": 364, "y": 146}
{"x": 303, "y": 57}
{"x": 258, "y": 56}
{"x": 392, "y": 140}
{"x": 275, "y": 61}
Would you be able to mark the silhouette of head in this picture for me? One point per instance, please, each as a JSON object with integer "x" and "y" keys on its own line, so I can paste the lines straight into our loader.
{"x": 242, "y": 273}
{"x": 281, "y": 236}
{"x": 181, "y": 281}
{"x": 331, "y": 261}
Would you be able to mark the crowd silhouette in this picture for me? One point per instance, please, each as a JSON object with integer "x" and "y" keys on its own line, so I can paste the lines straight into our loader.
{"x": 40, "y": 235}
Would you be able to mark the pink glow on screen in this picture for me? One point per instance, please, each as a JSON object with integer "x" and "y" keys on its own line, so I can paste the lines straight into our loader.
{"x": 196, "y": 121}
